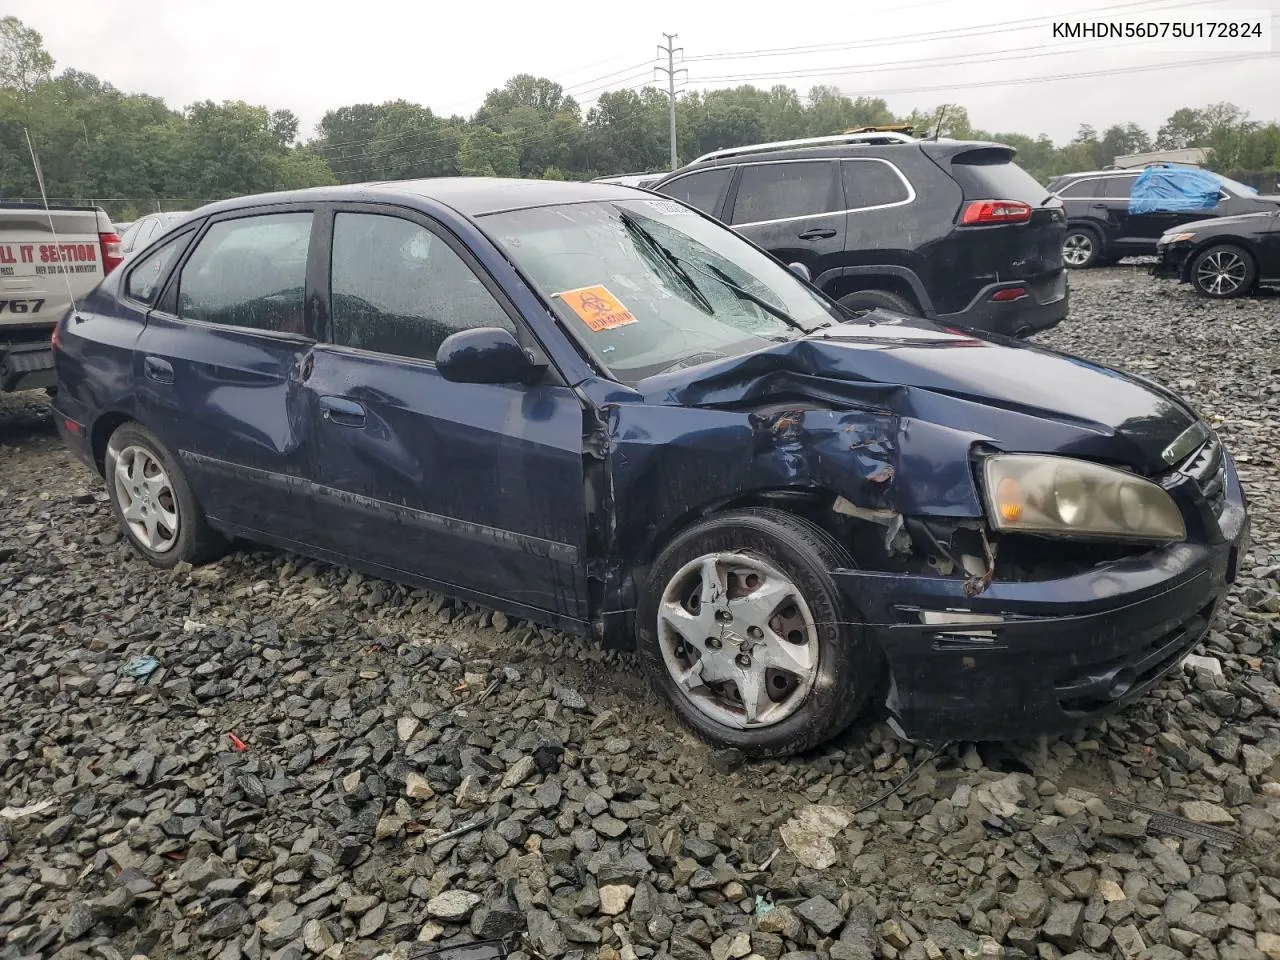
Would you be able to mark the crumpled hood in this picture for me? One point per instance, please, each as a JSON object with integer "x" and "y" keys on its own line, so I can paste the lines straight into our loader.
{"x": 1014, "y": 395}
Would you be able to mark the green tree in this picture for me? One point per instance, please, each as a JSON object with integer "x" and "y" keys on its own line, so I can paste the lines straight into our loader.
{"x": 24, "y": 62}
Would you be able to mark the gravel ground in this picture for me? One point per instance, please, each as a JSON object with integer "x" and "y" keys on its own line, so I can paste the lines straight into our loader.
{"x": 284, "y": 782}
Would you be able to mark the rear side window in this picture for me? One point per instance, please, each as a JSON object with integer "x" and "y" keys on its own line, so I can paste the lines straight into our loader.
{"x": 779, "y": 191}
{"x": 701, "y": 190}
{"x": 249, "y": 273}
{"x": 143, "y": 282}
{"x": 991, "y": 175}
{"x": 1081, "y": 188}
{"x": 871, "y": 183}
{"x": 1119, "y": 188}
{"x": 397, "y": 288}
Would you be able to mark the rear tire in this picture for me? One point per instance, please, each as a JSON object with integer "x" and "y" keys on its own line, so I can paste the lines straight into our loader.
{"x": 1223, "y": 271}
{"x": 151, "y": 499}
{"x": 863, "y": 301}
{"x": 1082, "y": 248}
{"x": 764, "y": 657}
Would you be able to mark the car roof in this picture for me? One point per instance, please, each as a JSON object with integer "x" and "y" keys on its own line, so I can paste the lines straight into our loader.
{"x": 470, "y": 196}
{"x": 940, "y": 149}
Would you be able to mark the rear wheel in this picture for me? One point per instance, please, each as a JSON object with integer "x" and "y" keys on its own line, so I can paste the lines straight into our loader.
{"x": 150, "y": 497}
{"x": 1081, "y": 248}
{"x": 1223, "y": 271}
{"x": 741, "y": 629}
{"x": 862, "y": 301}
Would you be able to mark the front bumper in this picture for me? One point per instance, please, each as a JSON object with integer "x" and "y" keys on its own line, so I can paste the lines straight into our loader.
{"x": 1045, "y": 304}
{"x": 26, "y": 366}
{"x": 1172, "y": 264}
{"x": 1063, "y": 652}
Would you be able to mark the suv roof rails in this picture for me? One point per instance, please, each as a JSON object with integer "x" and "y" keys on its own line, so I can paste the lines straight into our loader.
{"x": 873, "y": 138}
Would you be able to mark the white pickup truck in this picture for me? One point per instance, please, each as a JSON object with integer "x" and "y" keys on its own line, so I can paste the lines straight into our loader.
{"x": 48, "y": 258}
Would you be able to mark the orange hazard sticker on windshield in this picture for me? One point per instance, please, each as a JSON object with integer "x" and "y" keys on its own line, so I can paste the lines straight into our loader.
{"x": 597, "y": 307}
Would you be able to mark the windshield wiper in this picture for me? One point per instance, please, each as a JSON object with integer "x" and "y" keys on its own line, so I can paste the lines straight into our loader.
{"x": 672, "y": 261}
{"x": 714, "y": 271}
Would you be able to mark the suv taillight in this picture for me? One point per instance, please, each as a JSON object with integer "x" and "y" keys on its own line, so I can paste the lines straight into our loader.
{"x": 112, "y": 256}
{"x": 983, "y": 212}
{"x": 53, "y": 341}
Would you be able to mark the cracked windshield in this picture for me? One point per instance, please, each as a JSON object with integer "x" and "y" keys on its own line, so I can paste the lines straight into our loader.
{"x": 650, "y": 286}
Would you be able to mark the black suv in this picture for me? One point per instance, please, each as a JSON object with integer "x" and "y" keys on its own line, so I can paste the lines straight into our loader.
{"x": 1101, "y": 230}
{"x": 950, "y": 230}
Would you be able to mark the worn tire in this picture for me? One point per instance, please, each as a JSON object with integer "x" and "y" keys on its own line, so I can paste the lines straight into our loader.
{"x": 1248, "y": 277}
{"x": 862, "y": 301}
{"x": 1089, "y": 241}
{"x": 196, "y": 542}
{"x": 848, "y": 664}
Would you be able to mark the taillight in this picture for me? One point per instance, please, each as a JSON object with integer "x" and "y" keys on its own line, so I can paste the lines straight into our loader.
{"x": 983, "y": 212}
{"x": 53, "y": 341}
{"x": 112, "y": 256}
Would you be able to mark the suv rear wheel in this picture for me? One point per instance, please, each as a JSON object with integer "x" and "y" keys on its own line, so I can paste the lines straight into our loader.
{"x": 862, "y": 301}
{"x": 1081, "y": 248}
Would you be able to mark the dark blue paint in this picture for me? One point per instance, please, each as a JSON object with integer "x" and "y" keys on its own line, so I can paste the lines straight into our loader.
{"x": 549, "y": 498}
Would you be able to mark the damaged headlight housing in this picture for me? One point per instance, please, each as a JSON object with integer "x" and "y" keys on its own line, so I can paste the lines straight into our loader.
{"x": 1075, "y": 498}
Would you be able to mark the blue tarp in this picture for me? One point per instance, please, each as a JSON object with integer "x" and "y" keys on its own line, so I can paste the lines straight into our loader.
{"x": 1174, "y": 189}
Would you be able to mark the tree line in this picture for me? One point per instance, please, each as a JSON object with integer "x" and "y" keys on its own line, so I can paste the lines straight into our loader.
{"x": 132, "y": 152}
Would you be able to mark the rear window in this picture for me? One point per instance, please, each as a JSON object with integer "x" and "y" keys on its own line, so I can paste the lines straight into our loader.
{"x": 991, "y": 175}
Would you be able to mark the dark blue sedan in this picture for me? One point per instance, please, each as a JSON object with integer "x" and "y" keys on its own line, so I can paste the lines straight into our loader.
{"x": 598, "y": 409}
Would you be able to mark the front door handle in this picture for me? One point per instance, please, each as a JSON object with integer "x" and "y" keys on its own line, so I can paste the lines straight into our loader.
{"x": 1099, "y": 206}
{"x": 159, "y": 370}
{"x": 349, "y": 413}
{"x": 819, "y": 233}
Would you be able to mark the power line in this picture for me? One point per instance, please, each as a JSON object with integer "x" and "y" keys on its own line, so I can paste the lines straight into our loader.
{"x": 923, "y": 63}
{"x": 1234, "y": 58}
{"x": 985, "y": 29}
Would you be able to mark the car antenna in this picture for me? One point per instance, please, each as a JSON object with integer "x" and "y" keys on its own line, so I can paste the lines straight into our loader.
{"x": 44, "y": 196}
{"x": 937, "y": 128}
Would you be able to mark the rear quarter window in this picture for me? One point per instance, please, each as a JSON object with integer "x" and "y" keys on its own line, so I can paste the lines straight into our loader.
{"x": 991, "y": 175}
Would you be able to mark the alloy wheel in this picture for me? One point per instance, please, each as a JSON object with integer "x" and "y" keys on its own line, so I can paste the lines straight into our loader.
{"x": 145, "y": 495}
{"x": 1221, "y": 273}
{"x": 738, "y": 639}
{"x": 1077, "y": 249}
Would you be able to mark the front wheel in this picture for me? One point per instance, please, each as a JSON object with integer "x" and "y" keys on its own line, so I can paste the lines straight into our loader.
{"x": 742, "y": 630}
{"x": 1223, "y": 271}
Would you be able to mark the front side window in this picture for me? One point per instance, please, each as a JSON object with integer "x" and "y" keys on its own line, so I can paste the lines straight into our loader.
{"x": 648, "y": 286}
{"x": 143, "y": 282}
{"x": 398, "y": 288}
{"x": 779, "y": 191}
{"x": 249, "y": 272}
{"x": 702, "y": 190}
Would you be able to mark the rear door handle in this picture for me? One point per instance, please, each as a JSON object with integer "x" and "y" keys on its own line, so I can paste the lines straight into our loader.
{"x": 159, "y": 370}
{"x": 824, "y": 233}
{"x": 1099, "y": 206}
{"x": 349, "y": 413}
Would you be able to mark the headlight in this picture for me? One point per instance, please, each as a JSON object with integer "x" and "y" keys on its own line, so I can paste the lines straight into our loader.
{"x": 1176, "y": 238}
{"x": 1075, "y": 498}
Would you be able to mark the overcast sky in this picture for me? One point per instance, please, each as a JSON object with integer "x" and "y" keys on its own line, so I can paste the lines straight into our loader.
{"x": 314, "y": 55}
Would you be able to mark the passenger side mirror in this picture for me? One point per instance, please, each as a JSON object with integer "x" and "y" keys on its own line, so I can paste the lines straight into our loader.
{"x": 801, "y": 271}
{"x": 485, "y": 355}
